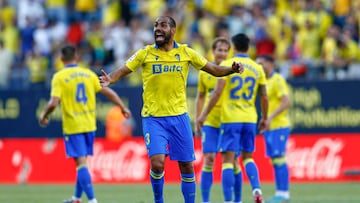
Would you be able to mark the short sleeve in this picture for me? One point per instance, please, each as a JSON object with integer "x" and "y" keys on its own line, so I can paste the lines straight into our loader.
{"x": 197, "y": 60}
{"x": 136, "y": 60}
{"x": 55, "y": 87}
{"x": 281, "y": 87}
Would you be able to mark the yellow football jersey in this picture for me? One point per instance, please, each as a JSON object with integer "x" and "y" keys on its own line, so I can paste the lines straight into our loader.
{"x": 76, "y": 87}
{"x": 164, "y": 76}
{"x": 276, "y": 88}
{"x": 206, "y": 85}
{"x": 239, "y": 94}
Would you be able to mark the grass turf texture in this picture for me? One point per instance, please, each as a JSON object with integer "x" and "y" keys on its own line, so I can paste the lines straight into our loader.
{"x": 133, "y": 193}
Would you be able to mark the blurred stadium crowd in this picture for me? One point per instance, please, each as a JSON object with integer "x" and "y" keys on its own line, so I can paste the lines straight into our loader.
{"x": 310, "y": 39}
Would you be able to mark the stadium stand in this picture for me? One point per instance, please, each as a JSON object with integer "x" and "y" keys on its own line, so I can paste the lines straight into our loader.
{"x": 311, "y": 40}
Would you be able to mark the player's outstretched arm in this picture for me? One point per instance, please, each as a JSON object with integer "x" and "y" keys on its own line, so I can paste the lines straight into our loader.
{"x": 51, "y": 105}
{"x": 108, "y": 79}
{"x": 112, "y": 96}
{"x": 220, "y": 71}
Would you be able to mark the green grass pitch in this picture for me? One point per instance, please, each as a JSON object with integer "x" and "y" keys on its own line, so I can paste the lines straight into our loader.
{"x": 141, "y": 193}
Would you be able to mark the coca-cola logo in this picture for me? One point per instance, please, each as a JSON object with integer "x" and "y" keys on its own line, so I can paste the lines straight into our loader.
{"x": 321, "y": 160}
{"x": 127, "y": 163}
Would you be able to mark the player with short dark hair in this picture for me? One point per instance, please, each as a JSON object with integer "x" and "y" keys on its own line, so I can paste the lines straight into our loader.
{"x": 239, "y": 117}
{"x": 166, "y": 124}
{"x": 75, "y": 88}
{"x": 278, "y": 133}
{"x": 210, "y": 132}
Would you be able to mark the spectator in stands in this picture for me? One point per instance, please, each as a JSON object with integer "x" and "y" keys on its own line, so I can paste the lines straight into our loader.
{"x": 6, "y": 59}
{"x": 56, "y": 10}
{"x": 87, "y": 10}
{"x": 32, "y": 9}
{"x": 27, "y": 38}
{"x": 38, "y": 69}
{"x": 7, "y": 12}
{"x": 75, "y": 33}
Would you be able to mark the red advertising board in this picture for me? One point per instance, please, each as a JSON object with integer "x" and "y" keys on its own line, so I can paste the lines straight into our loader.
{"x": 317, "y": 157}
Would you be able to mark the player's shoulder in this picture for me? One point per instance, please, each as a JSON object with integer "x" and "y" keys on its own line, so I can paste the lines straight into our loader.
{"x": 279, "y": 78}
{"x": 185, "y": 48}
{"x": 227, "y": 62}
{"x": 60, "y": 73}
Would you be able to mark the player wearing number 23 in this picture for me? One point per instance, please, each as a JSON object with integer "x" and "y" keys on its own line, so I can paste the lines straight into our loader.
{"x": 76, "y": 87}
{"x": 239, "y": 117}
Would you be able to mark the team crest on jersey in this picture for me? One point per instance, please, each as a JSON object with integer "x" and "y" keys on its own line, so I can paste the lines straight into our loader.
{"x": 177, "y": 56}
{"x": 156, "y": 58}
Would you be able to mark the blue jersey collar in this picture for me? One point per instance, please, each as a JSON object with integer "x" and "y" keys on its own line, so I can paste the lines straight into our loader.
{"x": 242, "y": 55}
{"x": 175, "y": 45}
{"x": 71, "y": 65}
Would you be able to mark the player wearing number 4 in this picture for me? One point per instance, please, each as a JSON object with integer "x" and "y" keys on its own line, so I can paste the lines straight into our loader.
{"x": 239, "y": 117}
{"x": 76, "y": 87}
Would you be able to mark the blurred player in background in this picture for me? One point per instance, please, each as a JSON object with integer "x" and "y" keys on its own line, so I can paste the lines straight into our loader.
{"x": 279, "y": 129}
{"x": 239, "y": 117}
{"x": 75, "y": 88}
{"x": 210, "y": 132}
{"x": 166, "y": 124}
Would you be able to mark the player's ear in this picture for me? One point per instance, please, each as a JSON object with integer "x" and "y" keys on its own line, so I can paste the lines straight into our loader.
{"x": 173, "y": 30}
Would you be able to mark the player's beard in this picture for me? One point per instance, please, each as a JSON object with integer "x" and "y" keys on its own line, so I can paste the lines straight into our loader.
{"x": 167, "y": 37}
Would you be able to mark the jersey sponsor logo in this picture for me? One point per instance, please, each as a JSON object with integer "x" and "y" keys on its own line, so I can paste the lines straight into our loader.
{"x": 160, "y": 68}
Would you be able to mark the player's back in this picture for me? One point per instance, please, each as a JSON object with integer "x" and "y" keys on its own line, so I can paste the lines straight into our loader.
{"x": 240, "y": 91}
{"x": 76, "y": 87}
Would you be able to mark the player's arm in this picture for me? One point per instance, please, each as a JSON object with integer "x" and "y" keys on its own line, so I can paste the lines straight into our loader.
{"x": 285, "y": 104}
{"x": 199, "y": 102}
{"x": 108, "y": 79}
{"x": 50, "y": 107}
{"x": 220, "y": 71}
{"x": 264, "y": 104}
{"x": 112, "y": 96}
{"x": 214, "y": 98}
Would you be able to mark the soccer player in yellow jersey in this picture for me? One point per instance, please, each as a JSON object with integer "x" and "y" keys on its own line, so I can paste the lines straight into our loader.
{"x": 239, "y": 117}
{"x": 75, "y": 88}
{"x": 210, "y": 132}
{"x": 279, "y": 129}
{"x": 166, "y": 124}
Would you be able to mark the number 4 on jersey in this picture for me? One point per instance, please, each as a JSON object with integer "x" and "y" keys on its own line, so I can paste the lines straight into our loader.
{"x": 81, "y": 93}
